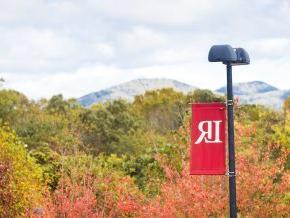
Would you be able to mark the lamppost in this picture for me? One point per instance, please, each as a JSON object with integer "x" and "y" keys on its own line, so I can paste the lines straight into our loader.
{"x": 230, "y": 56}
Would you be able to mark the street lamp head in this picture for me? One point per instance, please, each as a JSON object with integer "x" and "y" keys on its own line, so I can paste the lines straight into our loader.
{"x": 222, "y": 53}
{"x": 226, "y": 54}
{"x": 242, "y": 57}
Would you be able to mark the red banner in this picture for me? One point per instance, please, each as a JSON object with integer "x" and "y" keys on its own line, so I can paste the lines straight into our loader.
{"x": 207, "y": 155}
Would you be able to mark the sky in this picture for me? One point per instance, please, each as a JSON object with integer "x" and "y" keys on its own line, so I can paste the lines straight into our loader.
{"x": 76, "y": 47}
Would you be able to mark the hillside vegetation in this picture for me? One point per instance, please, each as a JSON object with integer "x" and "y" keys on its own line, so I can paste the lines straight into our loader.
{"x": 120, "y": 159}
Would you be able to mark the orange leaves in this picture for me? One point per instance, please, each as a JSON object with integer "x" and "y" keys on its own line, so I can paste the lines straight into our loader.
{"x": 128, "y": 206}
{"x": 260, "y": 191}
{"x": 88, "y": 199}
{"x": 72, "y": 200}
{"x": 185, "y": 195}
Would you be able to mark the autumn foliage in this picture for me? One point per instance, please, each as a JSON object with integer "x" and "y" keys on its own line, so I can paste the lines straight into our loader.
{"x": 58, "y": 159}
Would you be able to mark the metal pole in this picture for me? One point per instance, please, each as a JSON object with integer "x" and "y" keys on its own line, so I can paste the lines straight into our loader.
{"x": 231, "y": 143}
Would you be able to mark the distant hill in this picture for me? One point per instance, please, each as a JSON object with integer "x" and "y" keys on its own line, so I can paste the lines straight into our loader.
{"x": 258, "y": 92}
{"x": 132, "y": 88}
{"x": 254, "y": 92}
{"x": 249, "y": 88}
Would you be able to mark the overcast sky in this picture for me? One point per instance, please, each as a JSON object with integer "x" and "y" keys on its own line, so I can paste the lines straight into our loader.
{"x": 80, "y": 46}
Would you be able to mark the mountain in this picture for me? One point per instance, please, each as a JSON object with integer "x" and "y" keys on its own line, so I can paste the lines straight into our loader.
{"x": 249, "y": 88}
{"x": 258, "y": 92}
{"x": 132, "y": 88}
{"x": 255, "y": 92}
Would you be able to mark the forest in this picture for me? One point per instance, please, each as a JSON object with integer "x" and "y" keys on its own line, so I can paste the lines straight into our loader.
{"x": 121, "y": 159}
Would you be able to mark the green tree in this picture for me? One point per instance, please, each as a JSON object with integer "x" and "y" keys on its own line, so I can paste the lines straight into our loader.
{"x": 12, "y": 106}
{"x": 105, "y": 126}
{"x": 202, "y": 96}
{"x": 162, "y": 109}
{"x": 58, "y": 105}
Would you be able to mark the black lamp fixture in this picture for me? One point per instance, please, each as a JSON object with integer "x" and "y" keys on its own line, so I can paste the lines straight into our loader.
{"x": 226, "y": 54}
{"x": 230, "y": 57}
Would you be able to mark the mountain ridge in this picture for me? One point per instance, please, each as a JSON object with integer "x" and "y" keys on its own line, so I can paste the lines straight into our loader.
{"x": 132, "y": 88}
{"x": 252, "y": 92}
{"x": 243, "y": 88}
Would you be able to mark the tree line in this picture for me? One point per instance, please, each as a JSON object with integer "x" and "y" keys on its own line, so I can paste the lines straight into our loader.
{"x": 117, "y": 158}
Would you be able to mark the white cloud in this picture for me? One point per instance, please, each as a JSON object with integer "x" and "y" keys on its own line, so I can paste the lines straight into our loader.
{"x": 90, "y": 79}
{"x": 103, "y": 49}
{"x": 140, "y": 38}
{"x": 270, "y": 47}
{"x": 15, "y": 11}
{"x": 168, "y": 12}
{"x": 72, "y": 84}
{"x": 75, "y": 47}
{"x": 43, "y": 50}
{"x": 28, "y": 48}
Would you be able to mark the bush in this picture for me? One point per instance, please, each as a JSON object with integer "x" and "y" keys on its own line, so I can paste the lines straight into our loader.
{"x": 20, "y": 177}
